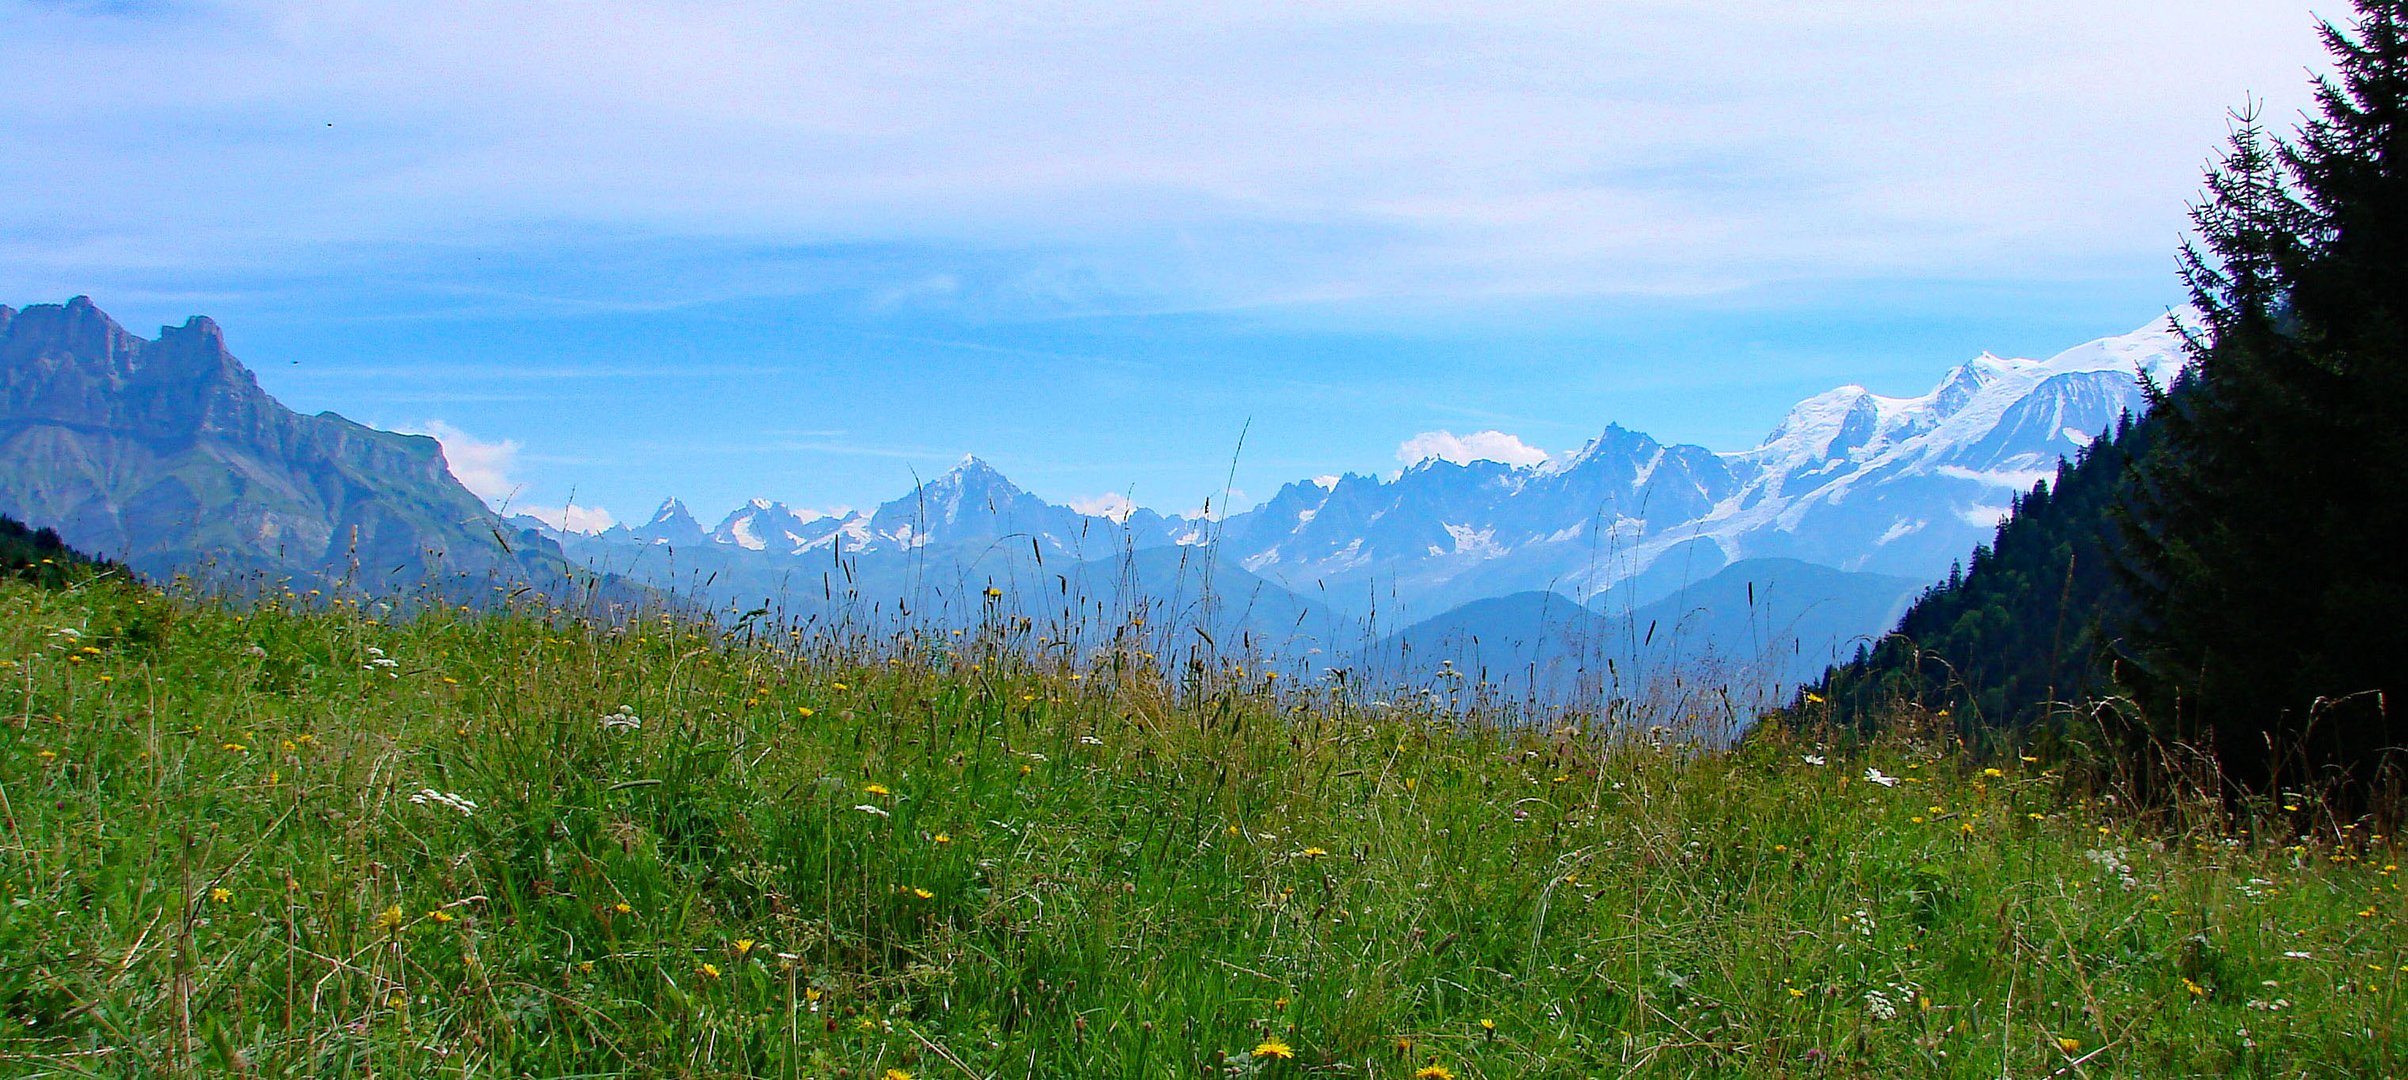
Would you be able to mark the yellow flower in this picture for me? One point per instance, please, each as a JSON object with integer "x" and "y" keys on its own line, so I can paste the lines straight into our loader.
{"x": 993, "y": 592}
{"x": 623, "y": 908}
{"x": 942, "y": 838}
{"x": 440, "y": 916}
{"x": 1993, "y": 773}
{"x": 803, "y": 711}
{"x": 710, "y": 971}
{"x": 877, "y": 789}
{"x": 235, "y": 748}
{"x": 47, "y": 755}
{"x": 744, "y": 945}
{"x": 2195, "y": 989}
{"x": 838, "y": 687}
{"x": 221, "y": 894}
{"x": 1404, "y": 1045}
{"x": 390, "y": 918}
{"x": 1796, "y": 993}
{"x": 1274, "y": 1048}
{"x": 1813, "y": 698}
{"x": 894, "y": 1074}
{"x": 1314, "y": 852}
{"x": 1433, "y": 1071}
{"x": 2070, "y": 1045}
{"x": 922, "y": 893}
{"x": 1488, "y": 1026}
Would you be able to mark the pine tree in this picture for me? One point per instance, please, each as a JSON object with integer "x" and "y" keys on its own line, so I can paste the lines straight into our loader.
{"x": 2262, "y": 529}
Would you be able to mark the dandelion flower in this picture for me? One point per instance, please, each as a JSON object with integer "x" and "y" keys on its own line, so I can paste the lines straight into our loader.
{"x": 2069, "y": 1044}
{"x": 221, "y": 894}
{"x": 877, "y": 789}
{"x": 710, "y": 971}
{"x": 942, "y": 838}
{"x": 1993, "y": 773}
{"x": 1433, "y": 1071}
{"x": 1488, "y": 1026}
{"x": 623, "y": 908}
{"x": 1274, "y": 1048}
{"x": 744, "y": 945}
{"x": 1313, "y": 852}
{"x": 390, "y": 918}
{"x": 894, "y": 1074}
{"x": 922, "y": 893}
{"x": 838, "y": 687}
{"x": 803, "y": 711}
{"x": 441, "y": 916}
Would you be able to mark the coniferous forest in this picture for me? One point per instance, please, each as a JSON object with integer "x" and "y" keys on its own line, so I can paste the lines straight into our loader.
{"x": 2219, "y": 585}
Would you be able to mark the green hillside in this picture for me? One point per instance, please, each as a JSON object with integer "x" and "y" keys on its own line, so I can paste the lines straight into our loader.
{"x": 287, "y": 842}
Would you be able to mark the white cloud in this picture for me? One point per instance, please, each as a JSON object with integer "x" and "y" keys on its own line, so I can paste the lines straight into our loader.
{"x": 1463, "y": 449}
{"x": 1110, "y": 504}
{"x": 1219, "y": 153}
{"x": 482, "y": 466}
{"x": 576, "y": 519}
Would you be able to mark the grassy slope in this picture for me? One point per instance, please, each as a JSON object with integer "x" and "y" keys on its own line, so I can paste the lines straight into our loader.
{"x": 954, "y": 866}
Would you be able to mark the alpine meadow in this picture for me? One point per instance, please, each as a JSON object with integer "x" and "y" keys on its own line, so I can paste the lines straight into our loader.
{"x": 2042, "y": 725}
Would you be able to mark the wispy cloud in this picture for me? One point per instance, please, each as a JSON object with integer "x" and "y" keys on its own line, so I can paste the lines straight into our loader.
{"x": 1246, "y": 153}
{"x": 483, "y": 466}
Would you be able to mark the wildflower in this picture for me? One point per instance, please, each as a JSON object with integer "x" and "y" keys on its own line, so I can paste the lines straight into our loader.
{"x": 1796, "y": 993}
{"x": 2069, "y": 1044}
{"x": 1488, "y": 1027}
{"x": 1879, "y": 1007}
{"x": 922, "y": 893}
{"x": 838, "y": 687}
{"x": 623, "y": 908}
{"x": 2195, "y": 989}
{"x": 1878, "y": 777}
{"x": 1404, "y": 1044}
{"x": 877, "y": 811}
{"x": 803, "y": 711}
{"x": 235, "y": 748}
{"x": 441, "y": 916}
{"x": 622, "y": 719}
{"x": 993, "y": 592}
{"x": 894, "y": 1074}
{"x": 390, "y": 918}
{"x": 1313, "y": 852}
{"x": 1274, "y": 1048}
{"x": 221, "y": 894}
{"x": 47, "y": 755}
{"x": 1813, "y": 698}
{"x": 710, "y": 971}
{"x": 743, "y": 946}
{"x": 1433, "y": 1071}
{"x": 942, "y": 838}
{"x": 1816, "y": 760}
{"x": 1993, "y": 773}
{"x": 877, "y": 789}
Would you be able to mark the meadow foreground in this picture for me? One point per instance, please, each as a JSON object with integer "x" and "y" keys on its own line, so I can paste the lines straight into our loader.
{"x": 296, "y": 840}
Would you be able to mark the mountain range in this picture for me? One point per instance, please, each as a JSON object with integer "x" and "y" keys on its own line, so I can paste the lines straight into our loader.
{"x": 166, "y": 454}
{"x": 1897, "y": 488}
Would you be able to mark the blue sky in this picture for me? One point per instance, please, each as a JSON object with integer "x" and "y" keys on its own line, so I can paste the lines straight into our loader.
{"x": 806, "y": 252}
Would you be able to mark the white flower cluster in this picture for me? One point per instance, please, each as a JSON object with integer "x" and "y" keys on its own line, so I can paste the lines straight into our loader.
{"x": 1879, "y": 1006}
{"x": 432, "y": 797}
{"x": 624, "y": 719}
{"x": 1816, "y": 760}
{"x": 2112, "y": 861}
{"x": 1876, "y": 776}
{"x": 377, "y": 659}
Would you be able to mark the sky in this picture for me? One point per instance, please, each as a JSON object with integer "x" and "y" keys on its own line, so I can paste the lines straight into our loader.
{"x": 1166, "y": 253}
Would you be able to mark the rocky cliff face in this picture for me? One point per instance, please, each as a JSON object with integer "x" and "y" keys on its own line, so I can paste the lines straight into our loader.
{"x": 166, "y": 454}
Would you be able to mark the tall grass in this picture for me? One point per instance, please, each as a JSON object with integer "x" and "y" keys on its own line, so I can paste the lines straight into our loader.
{"x": 302, "y": 840}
